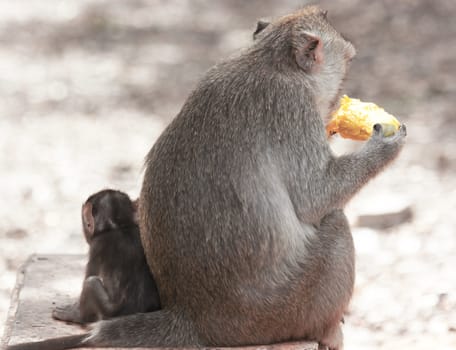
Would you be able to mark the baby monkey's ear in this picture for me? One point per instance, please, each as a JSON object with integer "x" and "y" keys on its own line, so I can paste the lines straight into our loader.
{"x": 88, "y": 221}
{"x": 309, "y": 52}
{"x": 135, "y": 205}
{"x": 261, "y": 24}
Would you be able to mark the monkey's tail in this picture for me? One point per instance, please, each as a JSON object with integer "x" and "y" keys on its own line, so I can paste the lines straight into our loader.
{"x": 68, "y": 342}
{"x": 162, "y": 328}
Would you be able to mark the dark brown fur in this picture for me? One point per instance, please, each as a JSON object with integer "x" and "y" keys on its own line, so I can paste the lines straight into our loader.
{"x": 117, "y": 280}
{"x": 241, "y": 206}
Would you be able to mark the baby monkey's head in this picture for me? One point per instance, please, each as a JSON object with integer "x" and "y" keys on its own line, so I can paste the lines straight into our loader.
{"x": 107, "y": 210}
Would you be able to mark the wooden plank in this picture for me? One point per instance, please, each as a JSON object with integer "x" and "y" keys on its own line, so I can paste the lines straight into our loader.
{"x": 43, "y": 282}
{"x": 48, "y": 280}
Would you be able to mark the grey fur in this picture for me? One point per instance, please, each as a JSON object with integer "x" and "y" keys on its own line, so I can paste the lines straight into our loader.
{"x": 241, "y": 206}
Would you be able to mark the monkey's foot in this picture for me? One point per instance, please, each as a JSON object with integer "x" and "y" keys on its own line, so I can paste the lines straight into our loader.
{"x": 334, "y": 339}
{"x": 67, "y": 313}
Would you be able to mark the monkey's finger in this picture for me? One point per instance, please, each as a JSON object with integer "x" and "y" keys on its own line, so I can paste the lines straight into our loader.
{"x": 377, "y": 129}
{"x": 388, "y": 129}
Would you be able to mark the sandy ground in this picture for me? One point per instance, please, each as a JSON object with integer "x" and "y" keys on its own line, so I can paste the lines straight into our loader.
{"x": 86, "y": 86}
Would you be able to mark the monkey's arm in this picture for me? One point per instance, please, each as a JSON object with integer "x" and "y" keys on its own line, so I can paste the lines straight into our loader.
{"x": 96, "y": 300}
{"x": 93, "y": 304}
{"x": 345, "y": 175}
{"x": 85, "y": 310}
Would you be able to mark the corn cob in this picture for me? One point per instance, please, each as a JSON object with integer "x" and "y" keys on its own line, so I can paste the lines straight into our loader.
{"x": 355, "y": 120}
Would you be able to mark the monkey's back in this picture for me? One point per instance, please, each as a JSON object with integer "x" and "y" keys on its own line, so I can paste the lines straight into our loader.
{"x": 118, "y": 258}
{"x": 216, "y": 198}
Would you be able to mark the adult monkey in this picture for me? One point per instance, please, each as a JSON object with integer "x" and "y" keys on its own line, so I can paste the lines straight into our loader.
{"x": 241, "y": 205}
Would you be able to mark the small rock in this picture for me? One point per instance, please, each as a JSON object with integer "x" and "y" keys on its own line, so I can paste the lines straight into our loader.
{"x": 16, "y": 233}
{"x": 384, "y": 212}
{"x": 121, "y": 171}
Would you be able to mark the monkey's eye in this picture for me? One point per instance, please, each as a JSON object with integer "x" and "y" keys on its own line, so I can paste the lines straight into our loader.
{"x": 313, "y": 45}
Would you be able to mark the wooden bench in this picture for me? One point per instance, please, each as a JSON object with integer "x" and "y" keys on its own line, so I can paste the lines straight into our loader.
{"x": 47, "y": 280}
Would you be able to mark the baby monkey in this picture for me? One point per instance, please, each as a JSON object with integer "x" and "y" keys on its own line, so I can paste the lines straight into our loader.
{"x": 117, "y": 278}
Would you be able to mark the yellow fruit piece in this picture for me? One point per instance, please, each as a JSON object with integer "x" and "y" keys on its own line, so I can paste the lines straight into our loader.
{"x": 355, "y": 120}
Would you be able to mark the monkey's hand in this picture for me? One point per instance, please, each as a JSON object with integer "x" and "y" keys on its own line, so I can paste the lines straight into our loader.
{"x": 381, "y": 149}
{"x": 355, "y": 120}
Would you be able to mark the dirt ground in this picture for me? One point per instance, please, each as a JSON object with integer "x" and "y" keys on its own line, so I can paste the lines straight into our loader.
{"x": 86, "y": 86}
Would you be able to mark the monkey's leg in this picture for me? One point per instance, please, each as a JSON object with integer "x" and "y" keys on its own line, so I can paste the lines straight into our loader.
{"x": 337, "y": 280}
{"x": 98, "y": 299}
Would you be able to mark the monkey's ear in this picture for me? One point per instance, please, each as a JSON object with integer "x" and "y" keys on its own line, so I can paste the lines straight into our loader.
{"x": 135, "y": 205}
{"x": 309, "y": 53}
{"x": 88, "y": 220}
{"x": 260, "y": 26}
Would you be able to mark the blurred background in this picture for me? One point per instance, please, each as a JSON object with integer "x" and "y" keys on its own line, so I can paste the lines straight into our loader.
{"x": 86, "y": 86}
